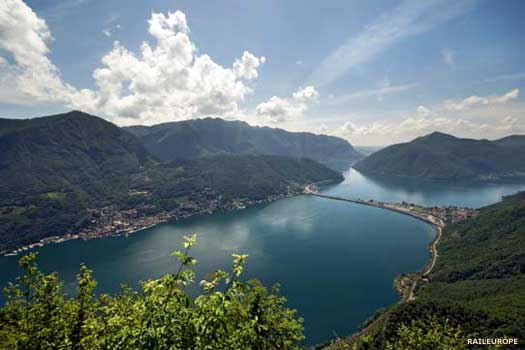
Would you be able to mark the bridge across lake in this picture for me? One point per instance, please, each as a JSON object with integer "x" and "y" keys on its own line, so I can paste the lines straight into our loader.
{"x": 388, "y": 206}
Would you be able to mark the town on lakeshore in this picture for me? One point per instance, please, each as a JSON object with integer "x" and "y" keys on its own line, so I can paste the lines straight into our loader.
{"x": 110, "y": 221}
{"x": 437, "y": 215}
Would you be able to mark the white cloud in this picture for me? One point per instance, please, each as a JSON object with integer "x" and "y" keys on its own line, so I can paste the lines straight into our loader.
{"x": 165, "y": 81}
{"x": 349, "y": 129}
{"x": 306, "y": 95}
{"x": 409, "y": 18}
{"x": 424, "y": 111}
{"x": 246, "y": 66}
{"x": 279, "y": 110}
{"x": 32, "y": 77}
{"x": 449, "y": 56}
{"x": 111, "y": 30}
{"x": 323, "y": 129}
{"x": 474, "y": 101}
{"x": 378, "y": 93}
{"x": 480, "y": 117}
{"x": 169, "y": 81}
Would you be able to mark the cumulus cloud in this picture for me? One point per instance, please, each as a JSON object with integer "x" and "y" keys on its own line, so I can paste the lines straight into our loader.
{"x": 423, "y": 111}
{"x": 350, "y": 129}
{"x": 405, "y": 129}
{"x": 166, "y": 80}
{"x": 474, "y": 101}
{"x": 278, "y": 109}
{"x": 31, "y": 76}
{"x": 306, "y": 95}
{"x": 488, "y": 117}
{"x": 246, "y": 66}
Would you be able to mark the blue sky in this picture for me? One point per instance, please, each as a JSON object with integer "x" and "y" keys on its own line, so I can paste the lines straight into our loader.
{"x": 373, "y": 72}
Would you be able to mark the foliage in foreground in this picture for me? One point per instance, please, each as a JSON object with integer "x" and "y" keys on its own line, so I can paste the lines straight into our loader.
{"x": 426, "y": 333}
{"x": 228, "y": 314}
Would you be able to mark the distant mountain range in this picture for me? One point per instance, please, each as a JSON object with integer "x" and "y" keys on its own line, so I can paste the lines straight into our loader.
{"x": 53, "y": 169}
{"x": 192, "y": 139}
{"x": 445, "y": 157}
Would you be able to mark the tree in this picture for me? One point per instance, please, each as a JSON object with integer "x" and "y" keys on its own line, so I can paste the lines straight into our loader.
{"x": 229, "y": 313}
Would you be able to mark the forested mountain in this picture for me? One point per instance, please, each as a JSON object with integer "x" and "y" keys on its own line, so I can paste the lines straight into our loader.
{"x": 65, "y": 151}
{"x": 442, "y": 156}
{"x": 477, "y": 286}
{"x": 199, "y": 138}
{"x": 53, "y": 169}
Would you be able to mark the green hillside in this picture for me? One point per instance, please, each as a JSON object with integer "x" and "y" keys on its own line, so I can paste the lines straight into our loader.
{"x": 477, "y": 285}
{"x": 52, "y": 169}
{"x": 198, "y": 138}
{"x": 53, "y": 153}
{"x": 445, "y": 157}
{"x": 481, "y": 265}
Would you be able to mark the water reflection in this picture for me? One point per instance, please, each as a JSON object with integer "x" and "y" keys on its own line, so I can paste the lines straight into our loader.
{"x": 336, "y": 260}
{"x": 420, "y": 191}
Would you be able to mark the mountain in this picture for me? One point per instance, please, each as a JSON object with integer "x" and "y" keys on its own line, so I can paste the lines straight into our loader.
{"x": 367, "y": 150}
{"x": 57, "y": 171}
{"x": 52, "y": 168}
{"x": 199, "y": 138}
{"x": 63, "y": 151}
{"x": 445, "y": 157}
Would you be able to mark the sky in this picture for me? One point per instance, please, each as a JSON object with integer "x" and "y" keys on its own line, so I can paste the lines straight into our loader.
{"x": 372, "y": 72}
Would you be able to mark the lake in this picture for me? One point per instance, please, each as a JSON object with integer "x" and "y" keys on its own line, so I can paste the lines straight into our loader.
{"x": 336, "y": 261}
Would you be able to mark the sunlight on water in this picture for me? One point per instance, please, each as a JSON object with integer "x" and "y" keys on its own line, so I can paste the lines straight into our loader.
{"x": 336, "y": 261}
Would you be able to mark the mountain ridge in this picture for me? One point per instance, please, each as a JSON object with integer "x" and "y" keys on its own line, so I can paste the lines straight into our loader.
{"x": 197, "y": 138}
{"x": 56, "y": 171}
{"x": 442, "y": 156}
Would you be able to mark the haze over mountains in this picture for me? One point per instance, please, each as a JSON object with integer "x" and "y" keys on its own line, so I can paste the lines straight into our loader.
{"x": 52, "y": 169}
{"x": 207, "y": 137}
{"x": 445, "y": 157}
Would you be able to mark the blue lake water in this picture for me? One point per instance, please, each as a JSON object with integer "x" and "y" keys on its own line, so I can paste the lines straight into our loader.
{"x": 336, "y": 261}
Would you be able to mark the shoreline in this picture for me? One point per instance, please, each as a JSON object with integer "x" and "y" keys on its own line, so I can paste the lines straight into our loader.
{"x": 144, "y": 223}
{"x": 436, "y": 222}
{"x": 405, "y": 284}
{"x": 116, "y": 228}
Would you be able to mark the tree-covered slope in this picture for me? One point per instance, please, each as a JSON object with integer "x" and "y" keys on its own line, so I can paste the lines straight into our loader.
{"x": 193, "y": 139}
{"x": 242, "y": 176}
{"x": 477, "y": 286}
{"x": 481, "y": 265}
{"x": 441, "y": 156}
{"x": 53, "y": 169}
{"x": 64, "y": 151}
